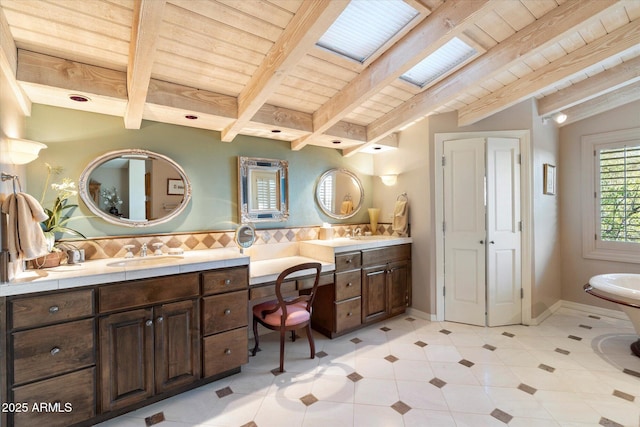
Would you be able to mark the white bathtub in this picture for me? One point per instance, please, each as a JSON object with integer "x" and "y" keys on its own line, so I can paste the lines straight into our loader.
{"x": 624, "y": 290}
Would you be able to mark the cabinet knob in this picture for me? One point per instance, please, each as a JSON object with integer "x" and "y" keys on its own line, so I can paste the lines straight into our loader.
{"x": 227, "y": 351}
{"x": 348, "y": 261}
{"x": 227, "y": 312}
{"x": 349, "y": 314}
{"x": 54, "y": 351}
{"x": 227, "y": 281}
{"x": 149, "y": 322}
{"x": 54, "y": 309}
{"x": 349, "y": 285}
{"x": 160, "y": 319}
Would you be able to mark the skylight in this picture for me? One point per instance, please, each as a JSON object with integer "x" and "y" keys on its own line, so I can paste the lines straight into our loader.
{"x": 442, "y": 61}
{"x": 365, "y": 26}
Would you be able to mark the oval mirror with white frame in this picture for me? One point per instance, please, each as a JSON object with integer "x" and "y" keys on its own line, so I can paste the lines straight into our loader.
{"x": 135, "y": 188}
{"x": 339, "y": 193}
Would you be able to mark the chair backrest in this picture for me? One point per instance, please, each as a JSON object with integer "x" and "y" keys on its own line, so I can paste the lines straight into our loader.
{"x": 282, "y": 303}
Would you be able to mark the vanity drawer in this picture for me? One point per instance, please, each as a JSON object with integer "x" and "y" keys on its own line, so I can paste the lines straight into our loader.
{"x": 149, "y": 291}
{"x": 348, "y": 261}
{"x": 325, "y": 279}
{"x": 225, "y": 351}
{"x": 74, "y": 393}
{"x": 232, "y": 279}
{"x": 51, "y": 350}
{"x": 348, "y": 314}
{"x": 224, "y": 312}
{"x": 52, "y": 308}
{"x": 385, "y": 255}
{"x": 287, "y": 288}
{"x": 348, "y": 285}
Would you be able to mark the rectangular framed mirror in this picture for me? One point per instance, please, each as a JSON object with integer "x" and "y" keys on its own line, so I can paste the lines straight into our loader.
{"x": 262, "y": 189}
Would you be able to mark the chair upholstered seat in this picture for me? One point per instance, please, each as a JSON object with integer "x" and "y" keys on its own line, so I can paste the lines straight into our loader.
{"x": 296, "y": 313}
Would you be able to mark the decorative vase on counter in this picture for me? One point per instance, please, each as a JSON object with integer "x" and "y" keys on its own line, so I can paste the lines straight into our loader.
{"x": 374, "y": 214}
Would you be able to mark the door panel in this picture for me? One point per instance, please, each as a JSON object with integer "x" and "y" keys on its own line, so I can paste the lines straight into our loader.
{"x": 464, "y": 215}
{"x": 503, "y": 232}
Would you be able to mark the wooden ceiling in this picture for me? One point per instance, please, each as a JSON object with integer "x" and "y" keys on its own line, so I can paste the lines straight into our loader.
{"x": 252, "y": 67}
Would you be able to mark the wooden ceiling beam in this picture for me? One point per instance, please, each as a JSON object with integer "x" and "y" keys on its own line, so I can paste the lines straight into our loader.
{"x": 520, "y": 46}
{"x": 9, "y": 65}
{"x": 607, "y": 81}
{"x": 145, "y": 29}
{"x": 614, "y": 43}
{"x": 603, "y": 103}
{"x": 425, "y": 38}
{"x": 311, "y": 20}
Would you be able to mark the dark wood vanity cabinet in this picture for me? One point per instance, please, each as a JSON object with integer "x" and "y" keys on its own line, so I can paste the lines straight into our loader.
{"x": 149, "y": 350}
{"x": 50, "y": 362}
{"x": 386, "y": 282}
{"x": 369, "y": 285}
{"x": 88, "y": 354}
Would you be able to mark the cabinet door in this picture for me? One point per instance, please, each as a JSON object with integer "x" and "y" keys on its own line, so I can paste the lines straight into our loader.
{"x": 126, "y": 358}
{"x": 374, "y": 293}
{"x": 177, "y": 346}
{"x": 398, "y": 276}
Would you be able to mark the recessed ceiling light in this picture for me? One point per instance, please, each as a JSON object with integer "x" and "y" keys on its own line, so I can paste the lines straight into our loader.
{"x": 191, "y": 117}
{"x": 377, "y": 148}
{"x": 79, "y": 98}
{"x": 336, "y": 142}
{"x": 276, "y": 131}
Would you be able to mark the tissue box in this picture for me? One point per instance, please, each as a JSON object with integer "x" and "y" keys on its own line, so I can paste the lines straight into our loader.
{"x": 326, "y": 233}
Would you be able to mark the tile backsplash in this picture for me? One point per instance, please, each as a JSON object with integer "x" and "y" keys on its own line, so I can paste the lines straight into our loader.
{"x": 113, "y": 247}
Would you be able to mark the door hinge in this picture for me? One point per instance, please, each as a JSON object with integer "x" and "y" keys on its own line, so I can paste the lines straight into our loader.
{"x": 444, "y": 226}
{"x": 444, "y": 161}
{"x": 521, "y": 293}
{"x": 519, "y": 225}
{"x": 444, "y": 291}
{"x": 519, "y": 159}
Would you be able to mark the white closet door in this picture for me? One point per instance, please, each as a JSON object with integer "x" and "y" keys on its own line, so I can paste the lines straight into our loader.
{"x": 464, "y": 241}
{"x": 504, "y": 281}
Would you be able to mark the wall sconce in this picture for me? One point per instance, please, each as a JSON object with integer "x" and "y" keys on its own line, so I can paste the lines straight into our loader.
{"x": 558, "y": 117}
{"x": 389, "y": 180}
{"x": 19, "y": 151}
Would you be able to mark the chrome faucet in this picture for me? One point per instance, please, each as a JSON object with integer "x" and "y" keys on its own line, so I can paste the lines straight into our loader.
{"x": 143, "y": 250}
{"x": 358, "y": 232}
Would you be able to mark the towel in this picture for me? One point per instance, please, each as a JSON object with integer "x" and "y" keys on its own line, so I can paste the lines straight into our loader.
{"x": 25, "y": 237}
{"x": 346, "y": 207}
{"x": 400, "y": 217}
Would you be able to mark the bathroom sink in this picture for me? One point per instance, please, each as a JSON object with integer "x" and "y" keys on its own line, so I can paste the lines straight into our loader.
{"x": 147, "y": 261}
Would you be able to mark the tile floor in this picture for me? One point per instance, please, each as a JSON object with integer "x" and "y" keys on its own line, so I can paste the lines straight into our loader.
{"x": 575, "y": 369}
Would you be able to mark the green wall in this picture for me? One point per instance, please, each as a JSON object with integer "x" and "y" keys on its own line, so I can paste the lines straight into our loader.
{"x": 75, "y": 138}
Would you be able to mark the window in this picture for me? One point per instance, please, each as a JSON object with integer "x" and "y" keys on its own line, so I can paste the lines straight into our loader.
{"x": 611, "y": 199}
{"x": 325, "y": 193}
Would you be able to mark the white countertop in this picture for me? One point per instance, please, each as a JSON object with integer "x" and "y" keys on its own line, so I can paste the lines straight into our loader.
{"x": 116, "y": 270}
{"x": 261, "y": 270}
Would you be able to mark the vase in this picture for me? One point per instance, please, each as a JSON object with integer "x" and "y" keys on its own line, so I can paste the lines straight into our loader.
{"x": 52, "y": 259}
{"x": 374, "y": 214}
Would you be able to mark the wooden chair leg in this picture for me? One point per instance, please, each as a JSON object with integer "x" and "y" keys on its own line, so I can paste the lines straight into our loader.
{"x": 282, "y": 337}
{"x": 312, "y": 345}
{"x": 293, "y": 336}
{"x": 255, "y": 337}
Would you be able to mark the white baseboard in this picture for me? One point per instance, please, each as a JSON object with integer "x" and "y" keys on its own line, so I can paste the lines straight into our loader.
{"x": 535, "y": 321}
{"x": 421, "y": 314}
{"x": 607, "y": 312}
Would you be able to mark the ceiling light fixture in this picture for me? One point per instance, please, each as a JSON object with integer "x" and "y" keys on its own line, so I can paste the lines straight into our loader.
{"x": 79, "y": 98}
{"x": 191, "y": 117}
{"x": 336, "y": 142}
{"x": 276, "y": 131}
{"x": 558, "y": 117}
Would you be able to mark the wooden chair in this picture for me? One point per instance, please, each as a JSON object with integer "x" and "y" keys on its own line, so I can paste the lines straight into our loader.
{"x": 287, "y": 314}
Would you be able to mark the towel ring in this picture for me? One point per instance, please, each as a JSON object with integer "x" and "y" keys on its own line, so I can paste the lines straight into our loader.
{"x": 14, "y": 178}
